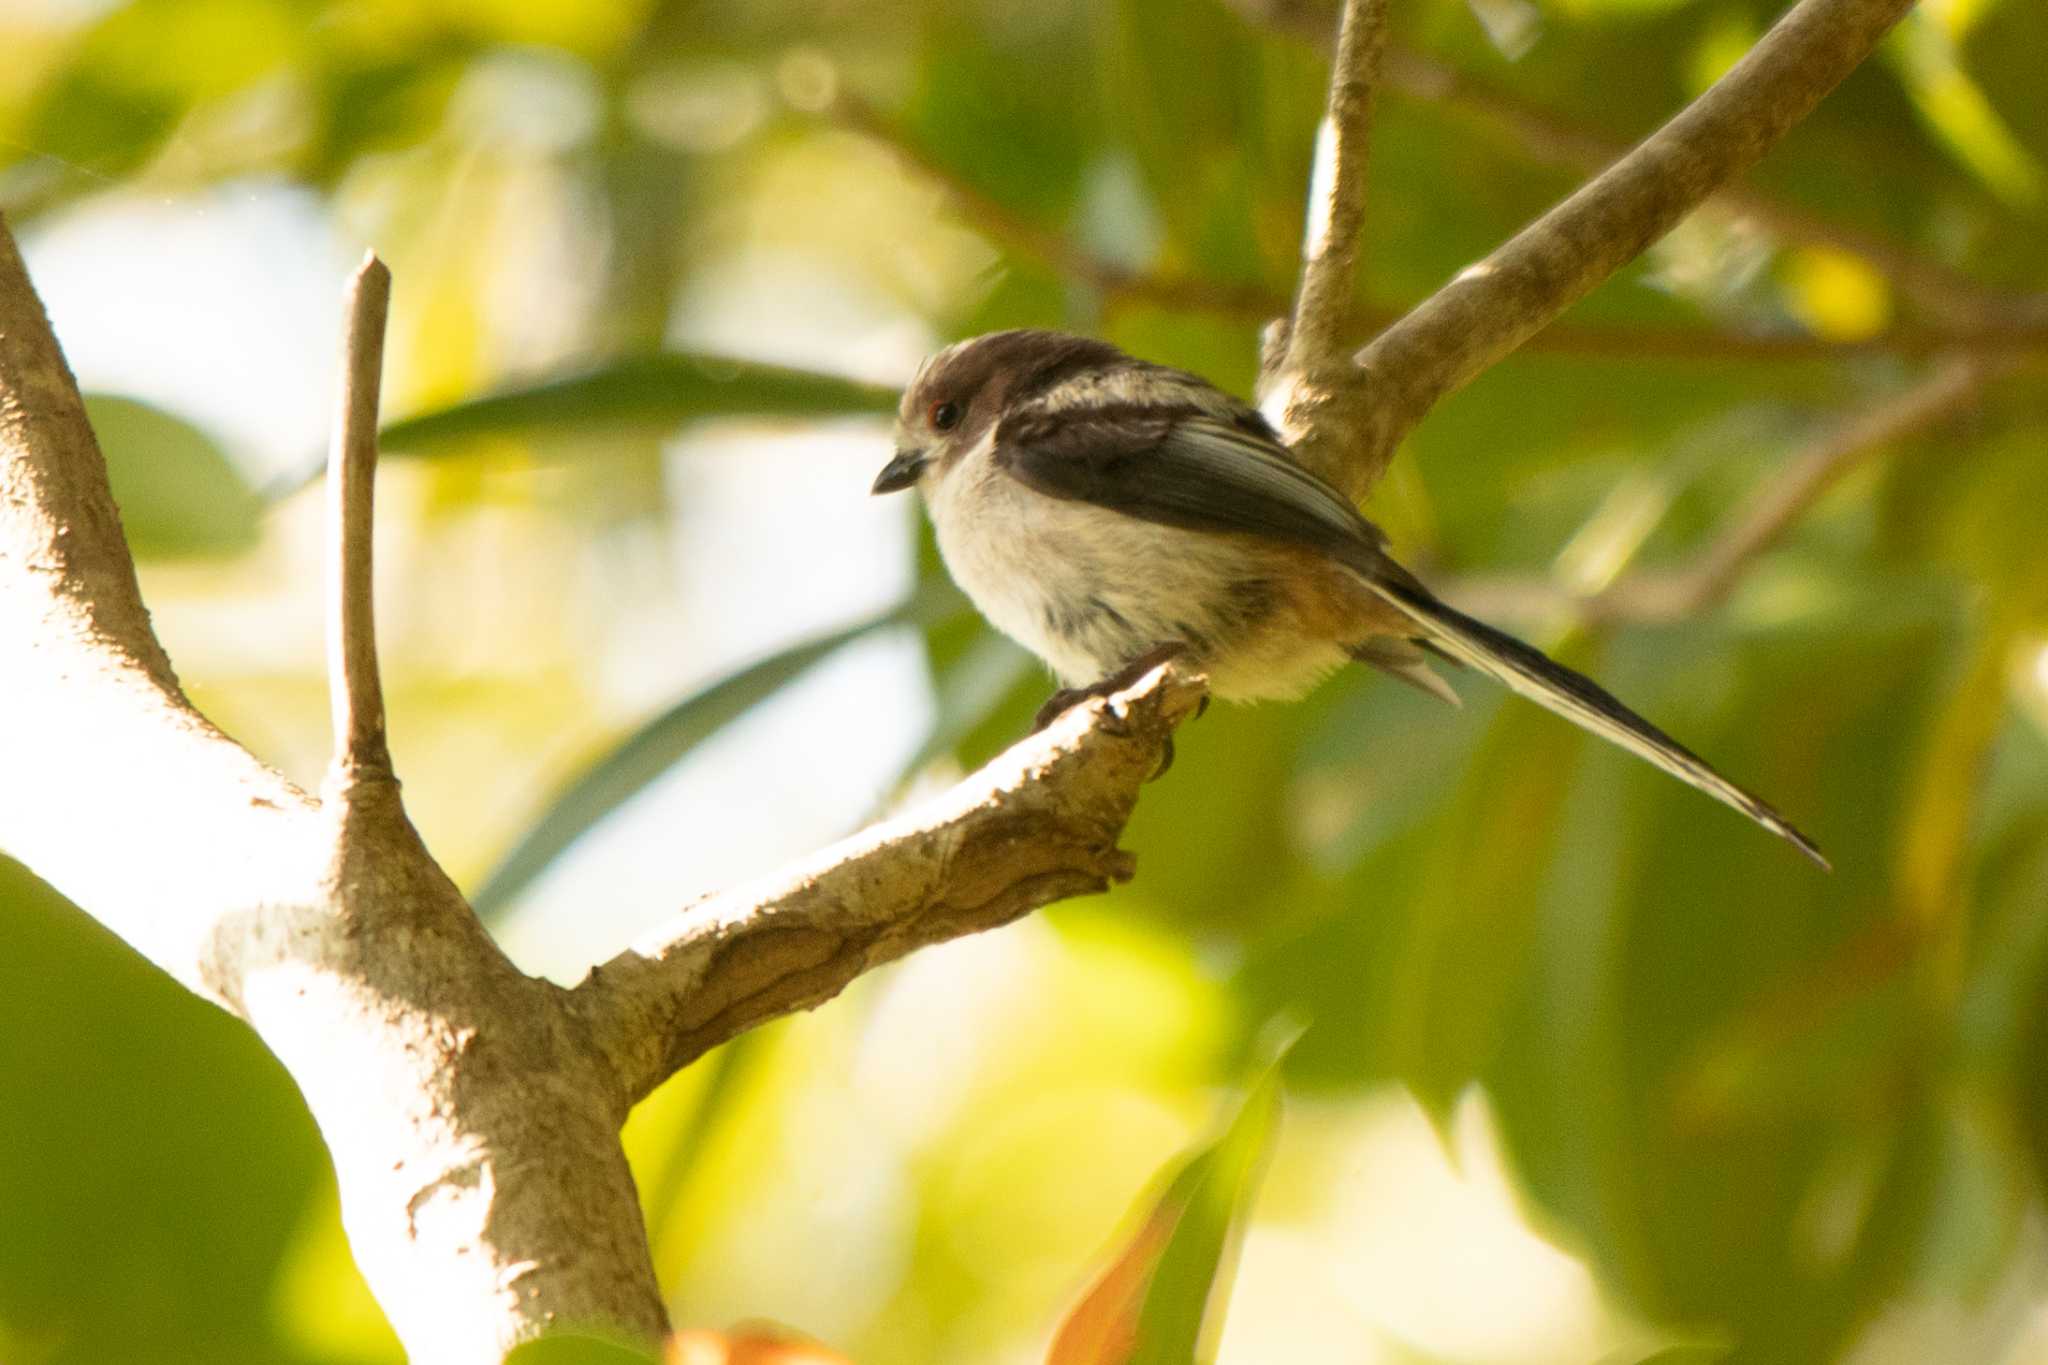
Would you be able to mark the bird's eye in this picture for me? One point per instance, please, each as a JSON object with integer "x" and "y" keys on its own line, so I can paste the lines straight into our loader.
{"x": 945, "y": 416}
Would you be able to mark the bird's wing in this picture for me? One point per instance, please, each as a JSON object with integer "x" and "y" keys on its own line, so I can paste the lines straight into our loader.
{"x": 1181, "y": 468}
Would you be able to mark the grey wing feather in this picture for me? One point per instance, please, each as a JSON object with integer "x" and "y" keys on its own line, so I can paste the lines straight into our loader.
{"x": 1182, "y": 468}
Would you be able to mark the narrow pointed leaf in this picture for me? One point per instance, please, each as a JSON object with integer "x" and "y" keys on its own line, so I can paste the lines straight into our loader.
{"x": 654, "y": 390}
{"x": 1161, "y": 1300}
{"x": 665, "y": 740}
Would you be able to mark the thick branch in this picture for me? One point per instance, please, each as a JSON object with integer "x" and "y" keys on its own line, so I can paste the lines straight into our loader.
{"x": 1494, "y": 306}
{"x": 355, "y": 693}
{"x": 1038, "y": 824}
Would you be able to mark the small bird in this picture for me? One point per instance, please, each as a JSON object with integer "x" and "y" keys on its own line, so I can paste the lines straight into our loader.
{"x": 1107, "y": 513}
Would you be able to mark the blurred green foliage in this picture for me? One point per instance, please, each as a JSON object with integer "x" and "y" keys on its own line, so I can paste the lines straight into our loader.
{"x": 1782, "y": 1117}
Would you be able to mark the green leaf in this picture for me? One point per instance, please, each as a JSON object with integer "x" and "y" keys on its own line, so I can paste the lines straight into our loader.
{"x": 660, "y": 390}
{"x": 1183, "y": 1313}
{"x": 1160, "y": 1301}
{"x": 666, "y": 739}
{"x": 178, "y": 492}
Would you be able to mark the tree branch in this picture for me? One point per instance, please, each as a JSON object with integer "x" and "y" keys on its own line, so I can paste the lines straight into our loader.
{"x": 1305, "y": 380}
{"x": 355, "y": 692}
{"x": 1492, "y": 307}
{"x": 1329, "y": 254}
{"x": 1777, "y": 505}
{"x": 1036, "y": 825}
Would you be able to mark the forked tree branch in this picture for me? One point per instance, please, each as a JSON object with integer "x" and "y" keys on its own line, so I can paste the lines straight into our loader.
{"x": 471, "y": 1111}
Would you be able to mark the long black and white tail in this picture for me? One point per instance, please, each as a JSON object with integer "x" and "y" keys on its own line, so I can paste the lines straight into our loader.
{"x": 1575, "y": 697}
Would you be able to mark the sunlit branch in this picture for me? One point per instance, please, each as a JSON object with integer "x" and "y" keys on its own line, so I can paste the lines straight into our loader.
{"x": 1038, "y": 824}
{"x": 1317, "y": 329}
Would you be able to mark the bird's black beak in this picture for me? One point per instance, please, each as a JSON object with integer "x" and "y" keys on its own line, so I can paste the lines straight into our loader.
{"x": 901, "y": 472}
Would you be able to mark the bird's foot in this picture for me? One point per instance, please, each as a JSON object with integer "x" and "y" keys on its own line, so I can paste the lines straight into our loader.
{"x": 1064, "y": 700}
{"x": 1060, "y": 702}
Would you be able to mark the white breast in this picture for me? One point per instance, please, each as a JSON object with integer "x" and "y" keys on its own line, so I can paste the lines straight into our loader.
{"x": 1088, "y": 590}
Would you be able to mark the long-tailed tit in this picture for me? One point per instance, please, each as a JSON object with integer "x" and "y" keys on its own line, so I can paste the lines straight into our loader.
{"x": 1101, "y": 510}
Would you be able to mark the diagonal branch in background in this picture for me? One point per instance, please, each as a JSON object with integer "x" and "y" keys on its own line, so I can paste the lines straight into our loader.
{"x": 1494, "y": 306}
{"x": 1776, "y": 506}
{"x": 1036, "y": 825}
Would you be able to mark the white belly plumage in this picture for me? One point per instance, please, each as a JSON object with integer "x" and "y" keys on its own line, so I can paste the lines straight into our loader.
{"x": 1047, "y": 581}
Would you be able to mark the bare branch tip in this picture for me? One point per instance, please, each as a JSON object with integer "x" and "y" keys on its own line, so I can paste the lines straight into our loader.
{"x": 355, "y": 688}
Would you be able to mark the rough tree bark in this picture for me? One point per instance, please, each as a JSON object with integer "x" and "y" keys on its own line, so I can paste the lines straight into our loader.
{"x": 472, "y": 1111}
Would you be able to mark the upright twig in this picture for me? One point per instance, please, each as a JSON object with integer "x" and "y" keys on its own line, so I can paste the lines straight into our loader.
{"x": 1316, "y": 331}
{"x": 355, "y": 691}
{"x": 1307, "y": 385}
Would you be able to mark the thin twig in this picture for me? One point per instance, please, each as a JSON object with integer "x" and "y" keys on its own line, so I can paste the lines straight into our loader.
{"x": 355, "y": 692}
{"x": 1779, "y": 502}
{"x": 1795, "y": 488}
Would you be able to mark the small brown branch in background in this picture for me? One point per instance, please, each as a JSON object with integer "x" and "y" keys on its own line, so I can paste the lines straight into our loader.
{"x": 1038, "y": 824}
{"x": 355, "y": 691}
{"x": 1494, "y": 306}
{"x": 1307, "y": 384}
{"x": 1786, "y": 496}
